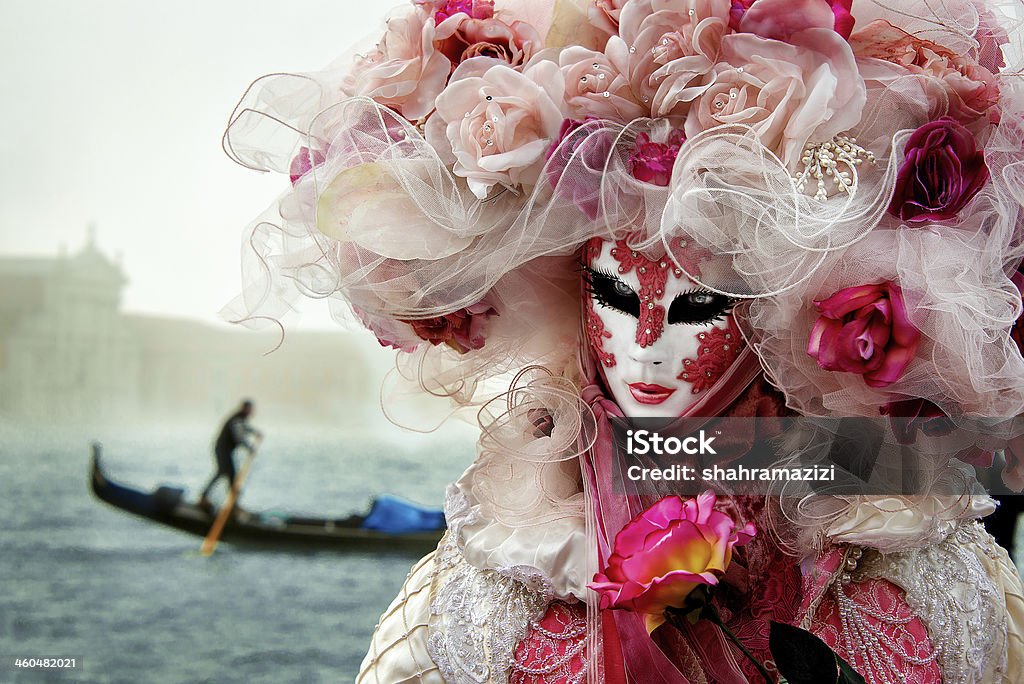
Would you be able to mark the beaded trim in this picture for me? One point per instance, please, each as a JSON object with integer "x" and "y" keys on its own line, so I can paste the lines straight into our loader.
{"x": 833, "y": 163}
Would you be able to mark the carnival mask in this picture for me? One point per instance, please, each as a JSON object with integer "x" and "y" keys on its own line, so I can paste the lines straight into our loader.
{"x": 660, "y": 339}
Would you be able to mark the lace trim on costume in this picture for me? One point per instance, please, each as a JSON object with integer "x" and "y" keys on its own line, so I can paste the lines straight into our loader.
{"x": 458, "y": 511}
{"x": 477, "y": 619}
{"x": 964, "y": 611}
{"x": 534, "y": 579}
{"x": 555, "y": 650}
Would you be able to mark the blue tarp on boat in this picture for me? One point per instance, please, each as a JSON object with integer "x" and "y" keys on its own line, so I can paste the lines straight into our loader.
{"x": 394, "y": 515}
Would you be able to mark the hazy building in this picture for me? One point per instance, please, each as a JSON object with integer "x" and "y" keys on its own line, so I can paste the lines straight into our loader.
{"x": 65, "y": 353}
{"x": 68, "y": 355}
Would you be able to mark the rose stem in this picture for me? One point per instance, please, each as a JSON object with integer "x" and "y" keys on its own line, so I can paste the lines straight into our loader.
{"x": 710, "y": 613}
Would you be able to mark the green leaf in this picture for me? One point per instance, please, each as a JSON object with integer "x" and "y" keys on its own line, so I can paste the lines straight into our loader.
{"x": 847, "y": 675}
{"x": 803, "y": 658}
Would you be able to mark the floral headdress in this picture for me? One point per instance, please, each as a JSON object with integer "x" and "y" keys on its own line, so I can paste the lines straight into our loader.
{"x": 853, "y": 167}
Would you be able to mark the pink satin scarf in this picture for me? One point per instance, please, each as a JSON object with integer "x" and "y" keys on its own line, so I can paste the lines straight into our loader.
{"x": 641, "y": 658}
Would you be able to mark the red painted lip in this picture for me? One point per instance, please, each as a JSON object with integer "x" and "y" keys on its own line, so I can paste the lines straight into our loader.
{"x": 650, "y": 394}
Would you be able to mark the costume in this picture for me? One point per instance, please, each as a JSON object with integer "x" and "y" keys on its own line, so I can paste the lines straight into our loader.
{"x": 563, "y": 214}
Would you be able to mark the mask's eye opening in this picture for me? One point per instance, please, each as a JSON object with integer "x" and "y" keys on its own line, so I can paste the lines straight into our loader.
{"x": 699, "y": 307}
{"x": 611, "y": 292}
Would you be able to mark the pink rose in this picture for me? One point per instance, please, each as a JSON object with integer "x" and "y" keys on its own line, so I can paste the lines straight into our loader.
{"x": 597, "y": 84}
{"x": 462, "y": 330}
{"x": 498, "y": 122}
{"x": 461, "y": 37}
{"x": 942, "y": 170}
{"x": 671, "y": 45}
{"x": 805, "y": 91}
{"x": 388, "y": 331}
{"x": 865, "y": 330}
{"x": 958, "y": 86}
{"x": 405, "y": 71}
{"x": 604, "y": 14}
{"x": 665, "y": 553}
{"x": 651, "y": 162}
{"x": 780, "y": 19}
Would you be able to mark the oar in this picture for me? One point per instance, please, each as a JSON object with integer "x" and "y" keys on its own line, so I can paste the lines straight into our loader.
{"x": 213, "y": 536}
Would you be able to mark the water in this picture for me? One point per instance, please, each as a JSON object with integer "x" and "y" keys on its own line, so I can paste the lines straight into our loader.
{"x": 136, "y": 603}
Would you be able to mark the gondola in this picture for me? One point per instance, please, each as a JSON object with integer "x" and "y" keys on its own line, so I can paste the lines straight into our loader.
{"x": 166, "y": 505}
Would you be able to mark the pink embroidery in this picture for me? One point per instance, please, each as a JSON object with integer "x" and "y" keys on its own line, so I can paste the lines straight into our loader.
{"x": 592, "y": 250}
{"x": 596, "y": 335}
{"x": 554, "y": 651}
{"x": 653, "y": 275}
{"x": 718, "y": 348}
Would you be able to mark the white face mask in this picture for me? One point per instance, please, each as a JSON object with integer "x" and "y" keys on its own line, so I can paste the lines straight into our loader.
{"x": 660, "y": 339}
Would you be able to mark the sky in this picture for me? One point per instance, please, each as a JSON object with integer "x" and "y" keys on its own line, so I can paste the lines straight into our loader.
{"x": 112, "y": 115}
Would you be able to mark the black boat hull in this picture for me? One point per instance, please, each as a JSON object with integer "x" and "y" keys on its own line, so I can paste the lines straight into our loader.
{"x": 166, "y": 507}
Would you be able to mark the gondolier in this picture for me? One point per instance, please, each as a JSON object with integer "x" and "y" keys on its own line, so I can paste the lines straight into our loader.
{"x": 236, "y": 432}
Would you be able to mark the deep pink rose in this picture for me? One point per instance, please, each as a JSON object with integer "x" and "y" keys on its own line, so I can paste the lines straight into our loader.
{"x": 652, "y": 162}
{"x": 462, "y": 330}
{"x": 443, "y": 9}
{"x": 665, "y": 553}
{"x": 736, "y": 12}
{"x": 865, "y": 330}
{"x": 304, "y": 162}
{"x": 942, "y": 170}
{"x": 779, "y": 19}
{"x": 587, "y": 153}
{"x": 908, "y": 416}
